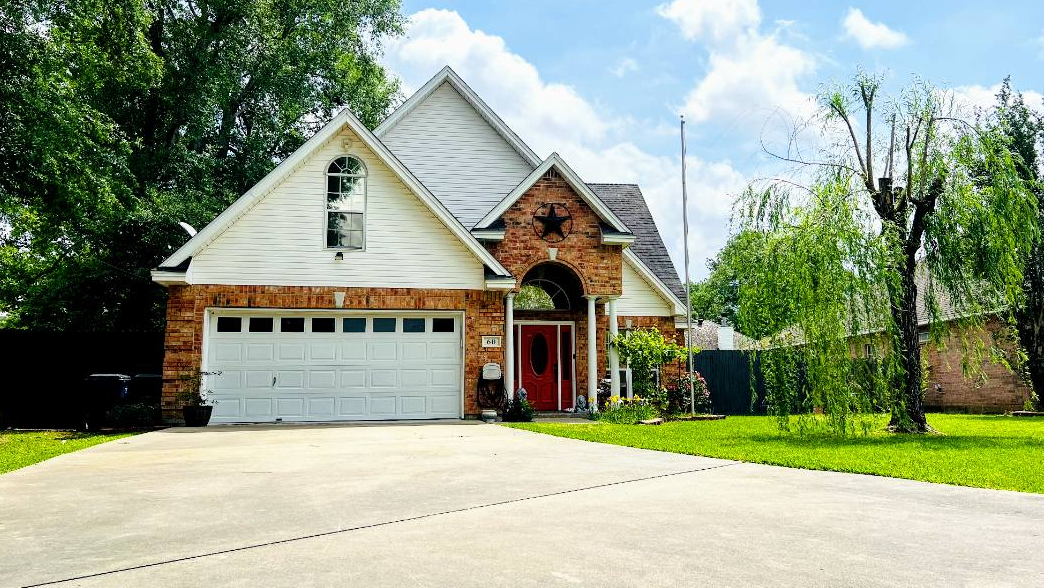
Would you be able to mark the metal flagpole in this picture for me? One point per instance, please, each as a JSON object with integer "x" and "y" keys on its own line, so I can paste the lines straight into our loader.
{"x": 688, "y": 289}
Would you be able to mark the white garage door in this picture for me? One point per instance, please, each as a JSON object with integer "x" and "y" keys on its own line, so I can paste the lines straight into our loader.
{"x": 286, "y": 366}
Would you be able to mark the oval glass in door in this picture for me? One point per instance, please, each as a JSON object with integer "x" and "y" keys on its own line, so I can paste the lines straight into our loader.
{"x": 538, "y": 354}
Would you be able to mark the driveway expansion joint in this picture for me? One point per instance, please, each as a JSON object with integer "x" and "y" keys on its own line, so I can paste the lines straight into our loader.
{"x": 380, "y": 524}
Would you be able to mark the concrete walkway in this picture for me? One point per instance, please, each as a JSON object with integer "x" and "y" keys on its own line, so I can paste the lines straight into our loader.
{"x": 483, "y": 505}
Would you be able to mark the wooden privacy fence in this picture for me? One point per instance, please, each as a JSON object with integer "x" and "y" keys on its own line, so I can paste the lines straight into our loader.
{"x": 44, "y": 372}
{"x": 728, "y": 376}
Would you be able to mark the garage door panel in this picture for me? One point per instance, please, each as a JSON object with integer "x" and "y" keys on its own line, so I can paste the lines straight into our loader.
{"x": 411, "y": 379}
{"x": 352, "y": 373}
{"x": 353, "y": 379}
{"x": 228, "y": 352}
{"x": 383, "y": 351}
{"x": 322, "y": 379}
{"x": 413, "y": 405}
{"x": 415, "y": 351}
{"x": 386, "y": 378}
{"x": 292, "y": 351}
{"x": 448, "y": 404}
{"x": 258, "y": 407}
{"x": 352, "y": 406}
{"x": 226, "y": 407}
{"x": 260, "y": 351}
{"x": 290, "y": 379}
{"x": 227, "y": 380}
{"x": 321, "y": 408}
{"x": 289, "y": 407}
{"x": 383, "y": 406}
{"x": 259, "y": 378}
{"x": 445, "y": 377}
{"x": 444, "y": 350}
{"x": 322, "y": 351}
{"x": 353, "y": 350}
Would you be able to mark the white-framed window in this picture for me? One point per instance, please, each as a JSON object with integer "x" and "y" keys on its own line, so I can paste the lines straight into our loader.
{"x": 345, "y": 204}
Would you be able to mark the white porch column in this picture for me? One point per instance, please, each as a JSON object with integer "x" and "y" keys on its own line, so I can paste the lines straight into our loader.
{"x": 509, "y": 345}
{"x": 592, "y": 354}
{"x": 614, "y": 356}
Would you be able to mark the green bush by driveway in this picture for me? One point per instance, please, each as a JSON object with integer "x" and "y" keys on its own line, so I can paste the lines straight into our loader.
{"x": 22, "y": 448}
{"x": 983, "y": 451}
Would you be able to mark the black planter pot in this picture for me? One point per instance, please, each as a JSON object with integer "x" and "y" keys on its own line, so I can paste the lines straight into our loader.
{"x": 197, "y": 416}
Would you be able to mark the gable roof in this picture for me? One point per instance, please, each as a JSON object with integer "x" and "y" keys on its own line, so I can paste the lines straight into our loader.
{"x": 627, "y": 202}
{"x": 297, "y": 158}
{"x": 555, "y": 161}
{"x": 447, "y": 75}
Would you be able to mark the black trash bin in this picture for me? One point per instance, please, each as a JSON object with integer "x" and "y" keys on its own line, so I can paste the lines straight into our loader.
{"x": 103, "y": 391}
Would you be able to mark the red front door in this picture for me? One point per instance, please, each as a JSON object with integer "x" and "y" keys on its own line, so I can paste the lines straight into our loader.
{"x": 539, "y": 370}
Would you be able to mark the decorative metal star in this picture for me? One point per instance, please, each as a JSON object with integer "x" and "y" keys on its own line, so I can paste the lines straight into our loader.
{"x": 552, "y": 222}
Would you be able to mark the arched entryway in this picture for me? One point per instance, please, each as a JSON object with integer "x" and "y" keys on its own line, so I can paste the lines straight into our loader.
{"x": 548, "y": 306}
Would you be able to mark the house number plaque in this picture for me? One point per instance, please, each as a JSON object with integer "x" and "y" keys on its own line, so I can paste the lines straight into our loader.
{"x": 491, "y": 340}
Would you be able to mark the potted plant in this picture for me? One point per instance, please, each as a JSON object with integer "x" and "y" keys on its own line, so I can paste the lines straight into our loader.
{"x": 195, "y": 404}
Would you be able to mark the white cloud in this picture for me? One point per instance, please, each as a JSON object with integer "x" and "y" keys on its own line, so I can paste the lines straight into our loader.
{"x": 712, "y": 20}
{"x": 624, "y": 67}
{"x": 977, "y": 97}
{"x": 555, "y": 117}
{"x": 750, "y": 74}
{"x": 869, "y": 34}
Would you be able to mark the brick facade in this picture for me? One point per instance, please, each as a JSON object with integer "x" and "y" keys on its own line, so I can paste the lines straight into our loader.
{"x": 598, "y": 266}
{"x": 989, "y": 387}
{"x": 186, "y": 306}
{"x": 995, "y": 389}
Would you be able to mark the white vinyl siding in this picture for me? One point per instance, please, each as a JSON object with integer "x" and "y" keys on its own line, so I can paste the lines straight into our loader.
{"x": 457, "y": 154}
{"x": 639, "y": 297}
{"x": 281, "y": 241}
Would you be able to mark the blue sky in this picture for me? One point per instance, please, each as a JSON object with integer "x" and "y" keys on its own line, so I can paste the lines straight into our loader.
{"x": 603, "y": 82}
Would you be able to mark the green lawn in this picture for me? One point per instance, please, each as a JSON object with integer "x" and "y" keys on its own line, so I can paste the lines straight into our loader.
{"x": 21, "y": 448}
{"x": 983, "y": 451}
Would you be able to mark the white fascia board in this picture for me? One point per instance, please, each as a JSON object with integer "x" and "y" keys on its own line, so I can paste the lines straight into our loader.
{"x": 644, "y": 271}
{"x": 571, "y": 178}
{"x": 447, "y": 75}
{"x": 500, "y": 283}
{"x": 489, "y": 234}
{"x": 165, "y": 278}
{"x": 625, "y": 239}
{"x": 291, "y": 163}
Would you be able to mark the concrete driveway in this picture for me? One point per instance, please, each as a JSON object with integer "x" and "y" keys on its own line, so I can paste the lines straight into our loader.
{"x": 482, "y": 505}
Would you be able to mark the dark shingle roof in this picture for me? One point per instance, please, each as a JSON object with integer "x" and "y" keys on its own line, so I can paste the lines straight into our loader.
{"x": 627, "y": 202}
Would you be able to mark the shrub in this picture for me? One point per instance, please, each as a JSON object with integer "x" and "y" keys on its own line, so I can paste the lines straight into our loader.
{"x": 644, "y": 350}
{"x": 626, "y": 411}
{"x": 518, "y": 410}
{"x": 678, "y": 395}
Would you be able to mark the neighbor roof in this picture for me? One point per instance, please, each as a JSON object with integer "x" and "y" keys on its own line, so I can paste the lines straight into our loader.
{"x": 627, "y": 202}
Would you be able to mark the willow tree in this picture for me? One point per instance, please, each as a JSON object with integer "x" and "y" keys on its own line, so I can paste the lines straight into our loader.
{"x": 907, "y": 193}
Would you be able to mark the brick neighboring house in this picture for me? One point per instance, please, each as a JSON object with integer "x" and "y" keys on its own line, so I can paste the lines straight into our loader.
{"x": 372, "y": 275}
{"x": 990, "y": 387}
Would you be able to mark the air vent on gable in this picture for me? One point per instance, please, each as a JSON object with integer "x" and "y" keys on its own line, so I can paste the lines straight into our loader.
{"x": 551, "y": 174}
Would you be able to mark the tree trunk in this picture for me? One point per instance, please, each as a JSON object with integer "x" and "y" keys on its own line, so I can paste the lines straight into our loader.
{"x": 1030, "y": 321}
{"x": 908, "y": 414}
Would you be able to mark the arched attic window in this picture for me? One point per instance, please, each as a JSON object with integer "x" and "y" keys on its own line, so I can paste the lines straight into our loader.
{"x": 346, "y": 204}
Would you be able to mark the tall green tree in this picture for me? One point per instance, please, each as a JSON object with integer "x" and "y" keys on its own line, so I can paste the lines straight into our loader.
{"x": 900, "y": 185}
{"x": 1024, "y": 129}
{"x": 122, "y": 117}
{"x": 717, "y": 296}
